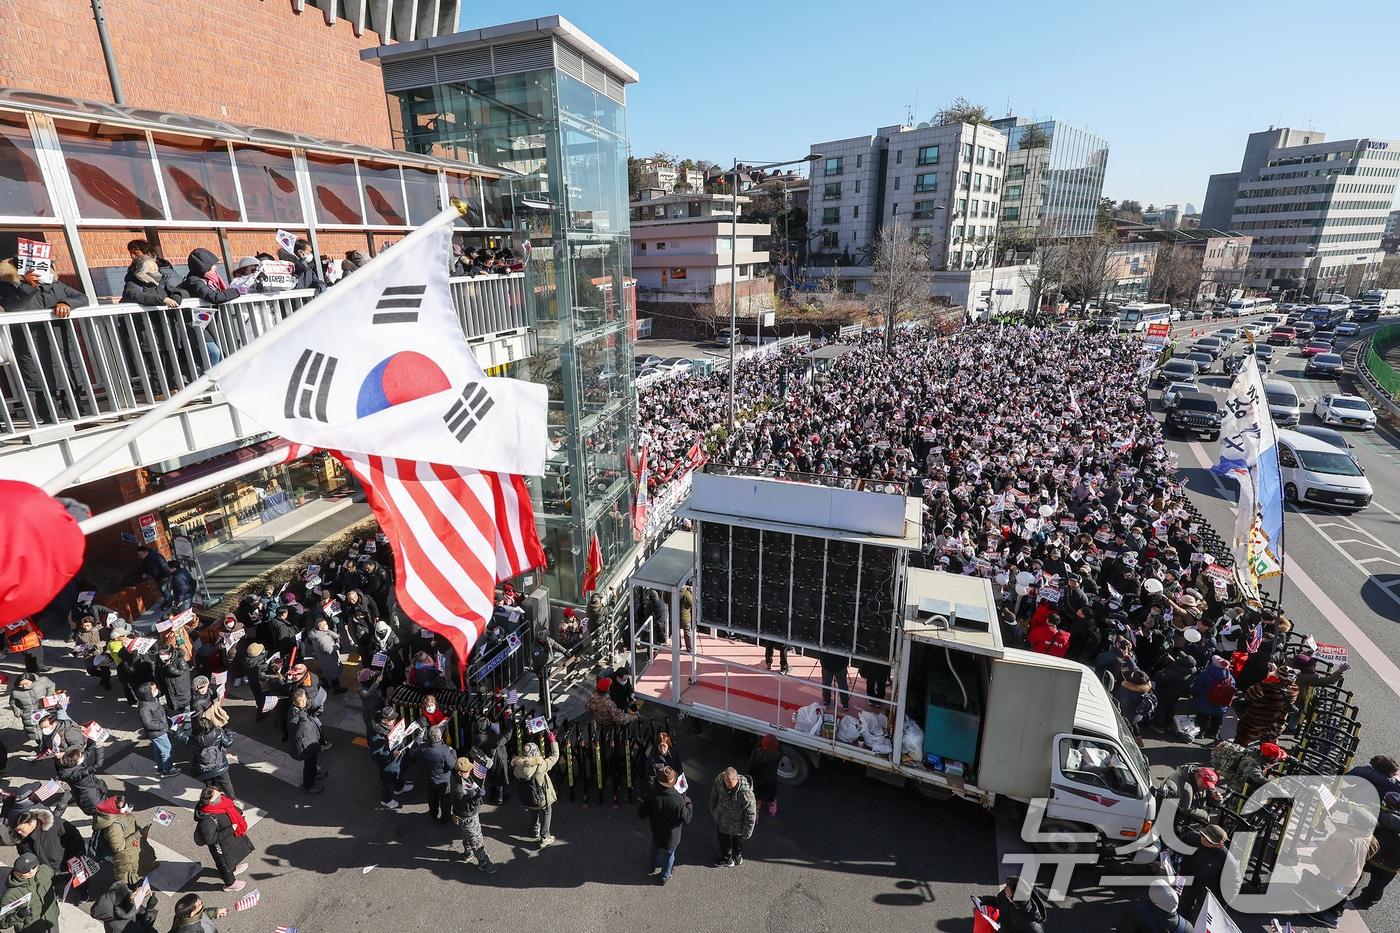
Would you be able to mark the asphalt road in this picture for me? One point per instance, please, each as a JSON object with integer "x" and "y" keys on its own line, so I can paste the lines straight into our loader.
{"x": 1342, "y": 569}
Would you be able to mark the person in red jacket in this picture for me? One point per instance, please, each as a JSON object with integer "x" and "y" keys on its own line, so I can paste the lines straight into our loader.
{"x": 1046, "y": 636}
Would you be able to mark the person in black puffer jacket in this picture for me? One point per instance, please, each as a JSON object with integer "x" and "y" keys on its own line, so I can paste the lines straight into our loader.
{"x": 436, "y": 763}
{"x": 49, "y": 838}
{"x": 78, "y": 767}
{"x": 304, "y": 726}
{"x": 210, "y": 763}
{"x": 174, "y": 673}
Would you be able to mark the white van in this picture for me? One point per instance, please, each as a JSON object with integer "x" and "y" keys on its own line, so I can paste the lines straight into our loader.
{"x": 1316, "y": 472}
{"x": 1283, "y": 402}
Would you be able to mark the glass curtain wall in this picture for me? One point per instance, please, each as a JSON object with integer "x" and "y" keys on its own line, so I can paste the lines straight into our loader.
{"x": 570, "y": 144}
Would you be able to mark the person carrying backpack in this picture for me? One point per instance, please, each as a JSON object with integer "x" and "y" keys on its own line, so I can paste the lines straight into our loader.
{"x": 1212, "y": 693}
{"x": 536, "y": 790}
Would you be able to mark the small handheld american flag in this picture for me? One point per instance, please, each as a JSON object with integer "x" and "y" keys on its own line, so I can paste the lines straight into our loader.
{"x": 285, "y": 930}
{"x": 1255, "y": 638}
{"x": 249, "y": 900}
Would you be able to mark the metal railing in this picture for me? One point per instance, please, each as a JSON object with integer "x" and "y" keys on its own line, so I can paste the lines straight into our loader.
{"x": 1380, "y": 343}
{"x": 116, "y": 360}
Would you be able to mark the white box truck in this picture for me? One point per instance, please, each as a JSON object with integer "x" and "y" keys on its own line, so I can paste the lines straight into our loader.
{"x": 775, "y": 563}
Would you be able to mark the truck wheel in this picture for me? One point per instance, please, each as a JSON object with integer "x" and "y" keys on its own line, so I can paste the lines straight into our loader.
{"x": 1060, "y": 842}
{"x": 794, "y": 767}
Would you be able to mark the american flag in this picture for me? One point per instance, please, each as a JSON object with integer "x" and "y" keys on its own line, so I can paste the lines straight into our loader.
{"x": 456, "y": 532}
{"x": 285, "y": 930}
{"x": 249, "y": 900}
{"x": 1256, "y": 638}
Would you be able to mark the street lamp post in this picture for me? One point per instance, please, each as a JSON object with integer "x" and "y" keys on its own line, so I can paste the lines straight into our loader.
{"x": 734, "y": 264}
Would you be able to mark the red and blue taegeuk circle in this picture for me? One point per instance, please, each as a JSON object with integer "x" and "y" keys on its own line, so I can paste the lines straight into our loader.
{"x": 397, "y": 379}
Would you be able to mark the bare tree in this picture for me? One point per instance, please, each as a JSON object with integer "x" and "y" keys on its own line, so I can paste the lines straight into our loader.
{"x": 900, "y": 278}
{"x": 1176, "y": 274}
{"x": 961, "y": 110}
{"x": 1089, "y": 266}
{"x": 1389, "y": 274}
{"x": 1044, "y": 271}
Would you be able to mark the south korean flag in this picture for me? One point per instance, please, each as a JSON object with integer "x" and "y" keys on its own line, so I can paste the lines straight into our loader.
{"x": 381, "y": 366}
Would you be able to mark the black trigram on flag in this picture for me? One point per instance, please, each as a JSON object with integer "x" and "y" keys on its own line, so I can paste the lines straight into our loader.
{"x": 399, "y": 304}
{"x": 309, "y": 387}
{"x": 468, "y": 411}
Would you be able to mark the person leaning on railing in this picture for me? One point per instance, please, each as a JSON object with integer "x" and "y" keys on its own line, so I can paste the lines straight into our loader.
{"x": 54, "y": 344}
{"x": 204, "y": 284}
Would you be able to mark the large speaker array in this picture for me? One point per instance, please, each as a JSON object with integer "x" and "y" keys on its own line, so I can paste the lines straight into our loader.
{"x": 796, "y": 589}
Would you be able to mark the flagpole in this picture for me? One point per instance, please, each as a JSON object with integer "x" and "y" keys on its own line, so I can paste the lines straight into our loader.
{"x": 307, "y": 313}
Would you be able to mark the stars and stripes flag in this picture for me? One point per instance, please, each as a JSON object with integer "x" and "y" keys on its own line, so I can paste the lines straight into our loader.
{"x": 1256, "y": 638}
{"x": 285, "y": 930}
{"x": 380, "y": 365}
{"x": 249, "y": 900}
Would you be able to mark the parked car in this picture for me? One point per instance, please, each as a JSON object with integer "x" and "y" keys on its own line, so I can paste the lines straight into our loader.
{"x": 1176, "y": 371}
{"x": 1282, "y": 336}
{"x": 1324, "y": 364}
{"x": 1263, "y": 353}
{"x": 1195, "y": 413}
{"x": 675, "y": 363}
{"x": 1316, "y": 346}
{"x": 1348, "y": 329}
{"x": 1317, "y": 472}
{"x": 1351, "y": 411}
{"x": 1304, "y": 329}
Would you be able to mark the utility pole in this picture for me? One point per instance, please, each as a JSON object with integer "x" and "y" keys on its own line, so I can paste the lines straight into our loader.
{"x": 891, "y": 244}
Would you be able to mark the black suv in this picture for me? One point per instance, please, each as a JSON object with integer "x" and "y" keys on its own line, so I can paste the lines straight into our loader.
{"x": 1195, "y": 413}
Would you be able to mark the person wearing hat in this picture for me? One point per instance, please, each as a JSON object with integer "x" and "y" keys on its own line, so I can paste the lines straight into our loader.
{"x": 39, "y": 914}
{"x": 1213, "y": 692}
{"x": 1136, "y": 700}
{"x": 667, "y": 811}
{"x": 1382, "y": 772}
{"x": 1243, "y": 768}
{"x": 27, "y": 698}
{"x": 260, "y": 676}
{"x": 1194, "y": 789}
{"x": 119, "y": 913}
{"x": 209, "y": 764}
{"x": 1203, "y": 866}
{"x": 130, "y": 854}
{"x": 465, "y": 808}
{"x": 531, "y": 771}
{"x": 44, "y": 834}
{"x": 1173, "y": 682}
{"x": 1270, "y": 702}
{"x": 354, "y": 259}
{"x": 1017, "y": 911}
{"x": 436, "y": 761}
{"x": 173, "y": 672}
{"x": 601, "y": 707}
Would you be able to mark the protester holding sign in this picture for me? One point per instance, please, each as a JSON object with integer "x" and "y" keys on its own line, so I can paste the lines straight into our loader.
{"x": 29, "y": 903}
{"x": 55, "y": 374}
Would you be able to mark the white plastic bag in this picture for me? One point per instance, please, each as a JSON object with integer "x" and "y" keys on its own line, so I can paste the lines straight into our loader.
{"x": 912, "y": 743}
{"x": 879, "y": 745}
{"x": 808, "y": 719}
{"x": 848, "y": 730}
{"x": 872, "y": 725}
{"x": 1186, "y": 725}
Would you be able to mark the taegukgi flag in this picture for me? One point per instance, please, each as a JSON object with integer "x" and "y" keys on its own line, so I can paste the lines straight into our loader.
{"x": 387, "y": 371}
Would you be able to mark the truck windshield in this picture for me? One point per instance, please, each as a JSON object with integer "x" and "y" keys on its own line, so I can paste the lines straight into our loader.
{"x": 1130, "y": 747}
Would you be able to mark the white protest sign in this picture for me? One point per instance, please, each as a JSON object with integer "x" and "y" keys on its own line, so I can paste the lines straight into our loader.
{"x": 37, "y": 257}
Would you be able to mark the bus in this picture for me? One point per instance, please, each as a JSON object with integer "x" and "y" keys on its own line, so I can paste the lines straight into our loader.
{"x": 1135, "y": 317}
{"x": 1325, "y": 317}
{"x": 1242, "y": 306}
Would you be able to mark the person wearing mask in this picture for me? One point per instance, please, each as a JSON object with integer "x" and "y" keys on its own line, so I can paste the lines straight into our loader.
{"x": 191, "y": 916}
{"x": 1017, "y": 914}
{"x": 131, "y": 856}
{"x": 155, "y": 726}
{"x": 467, "y": 797}
{"x": 667, "y": 811}
{"x": 304, "y": 725}
{"x": 304, "y": 265}
{"x": 735, "y": 811}
{"x": 174, "y": 674}
{"x": 39, "y": 914}
{"x": 204, "y": 284}
{"x": 27, "y": 698}
{"x": 436, "y": 763}
{"x": 388, "y": 758}
{"x": 55, "y": 373}
{"x": 537, "y": 794}
{"x": 221, "y": 828}
{"x": 210, "y": 763}
{"x": 763, "y": 771}
{"x": 118, "y": 911}
{"x": 1213, "y": 692}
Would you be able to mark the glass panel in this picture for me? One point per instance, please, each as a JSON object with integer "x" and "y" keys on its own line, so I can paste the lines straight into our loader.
{"x": 497, "y": 206}
{"x": 198, "y": 178}
{"x": 22, "y": 190}
{"x": 269, "y": 181}
{"x": 336, "y": 189}
{"x": 423, "y": 194}
{"x": 111, "y": 170}
{"x": 466, "y": 188}
{"x": 383, "y": 194}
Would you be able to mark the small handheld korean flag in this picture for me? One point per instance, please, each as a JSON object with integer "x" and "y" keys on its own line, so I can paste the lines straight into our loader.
{"x": 388, "y": 372}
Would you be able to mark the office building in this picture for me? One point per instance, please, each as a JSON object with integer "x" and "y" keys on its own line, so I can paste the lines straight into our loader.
{"x": 1316, "y": 210}
{"x": 942, "y": 184}
{"x": 542, "y": 99}
{"x": 1054, "y": 176}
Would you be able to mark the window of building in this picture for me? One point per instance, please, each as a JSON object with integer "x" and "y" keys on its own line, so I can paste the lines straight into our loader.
{"x": 981, "y": 154}
{"x": 1010, "y": 213}
{"x": 831, "y": 215}
{"x": 896, "y": 183}
{"x": 898, "y": 156}
{"x": 857, "y": 186}
{"x": 424, "y": 197}
{"x": 977, "y": 182}
{"x": 829, "y": 239}
{"x": 198, "y": 177}
{"x": 923, "y": 209}
{"x": 928, "y": 155}
{"x": 1013, "y": 191}
{"x": 833, "y": 166}
{"x": 926, "y": 182}
{"x": 743, "y": 270}
{"x": 22, "y": 189}
{"x": 112, "y": 174}
{"x": 383, "y": 194}
{"x": 831, "y": 191}
{"x": 641, "y": 246}
{"x": 962, "y": 206}
{"x": 859, "y": 159}
{"x": 964, "y": 179}
{"x": 967, "y": 152}
{"x": 660, "y": 245}
{"x": 1015, "y": 172}
{"x": 856, "y": 211}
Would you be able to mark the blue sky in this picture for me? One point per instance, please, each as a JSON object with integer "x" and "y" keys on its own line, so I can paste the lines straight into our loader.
{"x": 1173, "y": 86}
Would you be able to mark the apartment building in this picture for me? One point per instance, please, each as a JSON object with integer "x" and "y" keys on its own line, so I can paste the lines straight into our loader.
{"x": 1054, "y": 176}
{"x": 941, "y": 183}
{"x": 1316, "y": 210}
